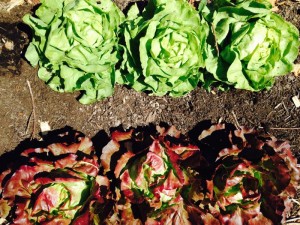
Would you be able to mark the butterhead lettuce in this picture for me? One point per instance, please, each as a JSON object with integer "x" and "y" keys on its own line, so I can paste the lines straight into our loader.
{"x": 75, "y": 44}
{"x": 164, "y": 48}
{"x": 253, "y": 45}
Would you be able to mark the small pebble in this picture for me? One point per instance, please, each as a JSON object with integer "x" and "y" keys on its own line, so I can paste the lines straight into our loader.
{"x": 9, "y": 45}
{"x": 296, "y": 101}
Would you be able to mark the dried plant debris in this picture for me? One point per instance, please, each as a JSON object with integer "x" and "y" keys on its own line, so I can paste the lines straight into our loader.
{"x": 8, "y": 6}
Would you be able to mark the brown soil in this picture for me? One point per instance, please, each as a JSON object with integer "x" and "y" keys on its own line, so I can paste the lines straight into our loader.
{"x": 272, "y": 110}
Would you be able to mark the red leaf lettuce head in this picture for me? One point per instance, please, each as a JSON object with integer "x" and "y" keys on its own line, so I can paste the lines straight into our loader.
{"x": 253, "y": 179}
{"x": 148, "y": 167}
{"x": 57, "y": 184}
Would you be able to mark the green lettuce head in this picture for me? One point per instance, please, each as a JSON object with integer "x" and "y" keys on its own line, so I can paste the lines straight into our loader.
{"x": 253, "y": 45}
{"x": 75, "y": 45}
{"x": 164, "y": 48}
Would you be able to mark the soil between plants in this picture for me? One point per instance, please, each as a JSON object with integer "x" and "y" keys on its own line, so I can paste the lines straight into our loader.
{"x": 269, "y": 111}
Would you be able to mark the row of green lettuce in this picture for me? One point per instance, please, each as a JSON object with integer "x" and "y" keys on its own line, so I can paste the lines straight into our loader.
{"x": 168, "y": 47}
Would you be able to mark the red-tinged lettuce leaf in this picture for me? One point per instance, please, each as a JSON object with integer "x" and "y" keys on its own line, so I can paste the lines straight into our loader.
{"x": 209, "y": 219}
{"x": 185, "y": 151}
{"x": 171, "y": 131}
{"x": 3, "y": 175}
{"x": 82, "y": 144}
{"x": 260, "y": 219}
{"x": 82, "y": 219}
{"x": 88, "y": 166}
{"x": 57, "y": 220}
{"x": 127, "y": 216}
{"x": 60, "y": 148}
{"x": 20, "y": 183}
{"x": 22, "y": 216}
{"x": 154, "y": 165}
{"x": 122, "y": 163}
{"x": 55, "y": 185}
{"x": 122, "y": 214}
{"x": 4, "y": 208}
{"x": 121, "y": 136}
{"x": 284, "y": 151}
{"x": 107, "y": 152}
{"x": 51, "y": 199}
{"x": 213, "y": 128}
{"x": 131, "y": 194}
{"x": 30, "y": 151}
{"x": 173, "y": 214}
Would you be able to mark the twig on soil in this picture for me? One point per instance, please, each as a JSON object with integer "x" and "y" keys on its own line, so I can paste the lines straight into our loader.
{"x": 286, "y": 109}
{"x": 27, "y": 124}
{"x": 292, "y": 220}
{"x": 282, "y": 128}
{"x": 33, "y": 110}
{"x": 277, "y": 106}
{"x": 295, "y": 201}
{"x": 12, "y": 4}
{"x": 235, "y": 120}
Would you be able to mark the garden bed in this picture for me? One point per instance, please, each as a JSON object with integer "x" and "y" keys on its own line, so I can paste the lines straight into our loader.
{"x": 25, "y": 101}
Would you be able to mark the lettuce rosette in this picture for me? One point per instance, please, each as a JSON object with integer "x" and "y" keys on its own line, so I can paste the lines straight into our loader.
{"x": 252, "y": 45}
{"x": 149, "y": 173}
{"x": 75, "y": 44}
{"x": 165, "y": 47}
{"x": 57, "y": 184}
{"x": 254, "y": 177}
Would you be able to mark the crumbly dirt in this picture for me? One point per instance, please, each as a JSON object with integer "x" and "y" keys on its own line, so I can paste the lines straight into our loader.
{"x": 269, "y": 111}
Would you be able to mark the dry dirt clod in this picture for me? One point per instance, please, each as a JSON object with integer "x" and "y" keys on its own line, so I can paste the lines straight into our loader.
{"x": 296, "y": 69}
{"x": 9, "y": 45}
{"x": 296, "y": 101}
